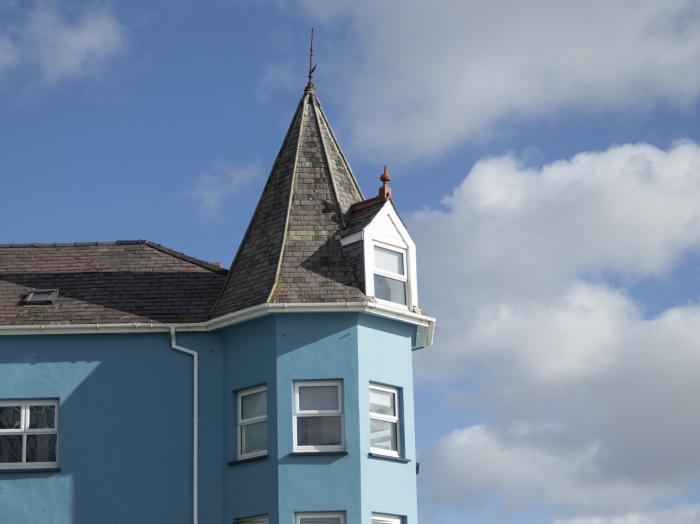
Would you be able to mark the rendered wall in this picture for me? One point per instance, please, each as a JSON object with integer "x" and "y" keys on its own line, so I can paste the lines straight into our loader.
{"x": 319, "y": 346}
{"x": 125, "y": 439}
{"x": 250, "y": 488}
{"x": 384, "y": 353}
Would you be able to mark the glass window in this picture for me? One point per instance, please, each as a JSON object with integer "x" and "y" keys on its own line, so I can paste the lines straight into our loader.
{"x": 388, "y": 260}
{"x": 28, "y": 433}
{"x": 384, "y": 420}
{"x": 385, "y": 519}
{"x": 252, "y": 422}
{"x": 319, "y": 518}
{"x": 318, "y": 416}
{"x": 260, "y": 519}
{"x": 41, "y": 297}
{"x": 390, "y": 274}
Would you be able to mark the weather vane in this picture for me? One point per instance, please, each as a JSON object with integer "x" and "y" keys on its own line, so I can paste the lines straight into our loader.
{"x": 312, "y": 66}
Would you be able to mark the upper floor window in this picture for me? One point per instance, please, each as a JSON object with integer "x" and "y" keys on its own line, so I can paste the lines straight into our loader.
{"x": 384, "y": 420}
{"x": 385, "y": 519}
{"x": 318, "y": 416}
{"x": 319, "y": 518}
{"x": 260, "y": 519}
{"x": 28, "y": 433}
{"x": 252, "y": 422}
{"x": 390, "y": 274}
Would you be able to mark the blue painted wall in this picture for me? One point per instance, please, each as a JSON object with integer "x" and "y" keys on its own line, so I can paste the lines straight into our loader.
{"x": 125, "y": 436}
{"x": 250, "y": 488}
{"x": 126, "y": 411}
{"x": 321, "y": 346}
{"x": 385, "y": 357}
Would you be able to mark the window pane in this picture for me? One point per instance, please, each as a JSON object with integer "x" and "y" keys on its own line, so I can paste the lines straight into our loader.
{"x": 10, "y": 448}
{"x": 42, "y": 417}
{"x": 382, "y": 402}
{"x": 388, "y": 260}
{"x": 318, "y": 398}
{"x": 319, "y": 431}
{"x": 319, "y": 520}
{"x": 40, "y": 297}
{"x": 41, "y": 448}
{"x": 390, "y": 289}
{"x": 383, "y": 434}
{"x": 10, "y": 417}
{"x": 254, "y": 405}
{"x": 254, "y": 438}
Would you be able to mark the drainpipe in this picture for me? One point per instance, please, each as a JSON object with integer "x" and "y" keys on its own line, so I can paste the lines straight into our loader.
{"x": 195, "y": 421}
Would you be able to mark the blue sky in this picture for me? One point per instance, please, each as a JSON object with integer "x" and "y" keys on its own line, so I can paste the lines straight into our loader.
{"x": 544, "y": 154}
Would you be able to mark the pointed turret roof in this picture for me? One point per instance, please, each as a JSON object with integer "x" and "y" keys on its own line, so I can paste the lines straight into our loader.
{"x": 291, "y": 252}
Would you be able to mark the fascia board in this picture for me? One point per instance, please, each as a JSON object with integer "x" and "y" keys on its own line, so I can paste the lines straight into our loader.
{"x": 237, "y": 317}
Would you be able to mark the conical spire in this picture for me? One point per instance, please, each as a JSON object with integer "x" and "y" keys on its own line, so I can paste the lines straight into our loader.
{"x": 290, "y": 252}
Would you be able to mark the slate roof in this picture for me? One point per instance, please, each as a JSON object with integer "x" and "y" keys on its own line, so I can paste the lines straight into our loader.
{"x": 291, "y": 251}
{"x": 360, "y": 218}
{"x": 106, "y": 282}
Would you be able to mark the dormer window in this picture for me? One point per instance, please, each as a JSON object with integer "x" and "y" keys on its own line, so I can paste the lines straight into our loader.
{"x": 39, "y": 297}
{"x": 390, "y": 274}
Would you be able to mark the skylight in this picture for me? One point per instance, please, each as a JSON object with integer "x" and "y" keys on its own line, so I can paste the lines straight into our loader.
{"x": 38, "y": 297}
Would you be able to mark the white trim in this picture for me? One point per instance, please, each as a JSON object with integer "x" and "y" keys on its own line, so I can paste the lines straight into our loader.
{"x": 298, "y": 413}
{"x": 339, "y": 515}
{"x": 386, "y": 519}
{"x": 24, "y": 431}
{"x": 237, "y": 317}
{"x": 241, "y": 423}
{"x": 395, "y": 419}
{"x": 258, "y": 519}
{"x": 373, "y": 236}
{"x": 389, "y": 274}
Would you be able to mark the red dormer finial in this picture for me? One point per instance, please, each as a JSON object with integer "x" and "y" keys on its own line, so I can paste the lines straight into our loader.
{"x": 385, "y": 190}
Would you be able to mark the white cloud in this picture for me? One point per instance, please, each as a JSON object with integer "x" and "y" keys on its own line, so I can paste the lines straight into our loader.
{"x": 520, "y": 238}
{"x": 59, "y": 49}
{"x": 419, "y": 77}
{"x": 588, "y": 405}
{"x": 222, "y": 182}
{"x": 64, "y": 50}
{"x": 678, "y": 515}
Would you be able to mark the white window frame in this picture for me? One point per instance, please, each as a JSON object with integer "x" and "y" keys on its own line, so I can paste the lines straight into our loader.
{"x": 24, "y": 431}
{"x": 315, "y": 413}
{"x": 386, "y": 519}
{"x": 258, "y": 519}
{"x": 389, "y": 274}
{"x": 396, "y": 419}
{"x": 241, "y": 423}
{"x": 329, "y": 515}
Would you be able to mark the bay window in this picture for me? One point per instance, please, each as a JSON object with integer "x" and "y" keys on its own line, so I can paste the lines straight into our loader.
{"x": 384, "y": 420}
{"x": 319, "y": 518}
{"x": 318, "y": 416}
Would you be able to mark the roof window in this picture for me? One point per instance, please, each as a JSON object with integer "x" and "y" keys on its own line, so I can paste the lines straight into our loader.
{"x": 40, "y": 297}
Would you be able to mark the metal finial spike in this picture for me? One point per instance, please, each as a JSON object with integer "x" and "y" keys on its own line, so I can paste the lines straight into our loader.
{"x": 312, "y": 67}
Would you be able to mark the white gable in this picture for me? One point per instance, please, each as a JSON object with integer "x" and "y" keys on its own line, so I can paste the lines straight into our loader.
{"x": 387, "y": 227}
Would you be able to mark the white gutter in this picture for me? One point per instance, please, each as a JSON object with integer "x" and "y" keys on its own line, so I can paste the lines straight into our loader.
{"x": 372, "y": 308}
{"x": 195, "y": 422}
